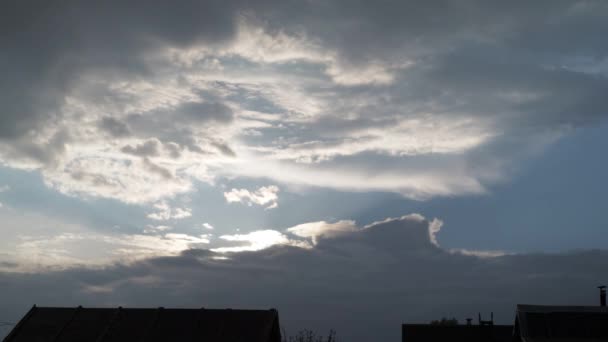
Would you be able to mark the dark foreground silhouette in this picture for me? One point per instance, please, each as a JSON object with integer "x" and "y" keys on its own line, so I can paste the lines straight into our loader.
{"x": 137, "y": 324}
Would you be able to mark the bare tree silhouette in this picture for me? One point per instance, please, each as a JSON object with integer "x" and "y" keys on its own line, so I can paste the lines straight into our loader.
{"x": 310, "y": 336}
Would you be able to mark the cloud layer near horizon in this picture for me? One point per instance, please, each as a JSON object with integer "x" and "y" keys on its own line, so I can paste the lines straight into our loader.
{"x": 421, "y": 99}
{"x": 364, "y": 282}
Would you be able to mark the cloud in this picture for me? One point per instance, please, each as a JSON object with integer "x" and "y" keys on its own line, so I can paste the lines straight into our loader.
{"x": 266, "y": 195}
{"x": 224, "y": 149}
{"x": 121, "y": 178}
{"x": 166, "y": 212}
{"x": 198, "y": 112}
{"x": 146, "y": 149}
{"x": 478, "y": 253}
{"x": 322, "y": 229}
{"x": 114, "y": 127}
{"x": 156, "y": 169}
{"x": 253, "y": 241}
{"x": 207, "y": 226}
{"x": 265, "y": 90}
{"x": 386, "y": 273}
{"x": 150, "y": 229}
{"x": 89, "y": 249}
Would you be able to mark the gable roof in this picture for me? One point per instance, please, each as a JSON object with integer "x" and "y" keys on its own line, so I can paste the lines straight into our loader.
{"x": 133, "y": 324}
{"x": 456, "y": 333}
{"x": 539, "y": 323}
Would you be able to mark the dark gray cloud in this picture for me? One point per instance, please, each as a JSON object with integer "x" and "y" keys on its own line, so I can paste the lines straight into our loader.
{"x": 115, "y": 127}
{"x": 508, "y": 47}
{"x": 205, "y": 111}
{"x": 224, "y": 149}
{"x": 157, "y": 169}
{"x": 48, "y": 45}
{"x": 32, "y": 149}
{"x": 177, "y": 126}
{"x": 364, "y": 283}
{"x": 174, "y": 149}
{"x": 149, "y": 148}
{"x": 362, "y": 30}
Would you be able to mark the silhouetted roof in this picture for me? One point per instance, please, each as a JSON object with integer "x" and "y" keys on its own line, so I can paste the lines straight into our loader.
{"x": 456, "y": 333}
{"x": 122, "y": 324}
{"x": 540, "y": 323}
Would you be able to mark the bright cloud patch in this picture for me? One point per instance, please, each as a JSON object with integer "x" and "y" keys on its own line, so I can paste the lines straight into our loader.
{"x": 321, "y": 229}
{"x": 264, "y": 196}
{"x": 253, "y": 241}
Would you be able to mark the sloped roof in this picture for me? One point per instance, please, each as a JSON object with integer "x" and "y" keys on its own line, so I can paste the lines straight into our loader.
{"x": 456, "y": 333}
{"x": 540, "y": 323}
{"x": 159, "y": 324}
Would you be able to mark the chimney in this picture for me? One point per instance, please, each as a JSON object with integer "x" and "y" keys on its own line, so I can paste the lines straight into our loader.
{"x": 602, "y": 295}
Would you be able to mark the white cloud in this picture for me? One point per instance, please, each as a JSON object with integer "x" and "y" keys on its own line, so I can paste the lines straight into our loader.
{"x": 295, "y": 102}
{"x": 112, "y": 176}
{"x": 207, "y": 226}
{"x": 253, "y": 241}
{"x": 479, "y": 253}
{"x": 322, "y": 229}
{"x": 92, "y": 165}
{"x": 434, "y": 228}
{"x": 86, "y": 248}
{"x": 264, "y": 196}
{"x": 410, "y": 180}
{"x": 255, "y": 43}
{"x": 308, "y": 235}
{"x": 166, "y": 212}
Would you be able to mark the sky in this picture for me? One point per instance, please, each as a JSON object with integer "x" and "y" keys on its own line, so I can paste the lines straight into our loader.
{"x": 354, "y": 164}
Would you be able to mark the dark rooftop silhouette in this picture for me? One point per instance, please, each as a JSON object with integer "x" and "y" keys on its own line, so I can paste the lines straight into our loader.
{"x": 157, "y": 324}
{"x": 533, "y": 323}
{"x": 561, "y": 323}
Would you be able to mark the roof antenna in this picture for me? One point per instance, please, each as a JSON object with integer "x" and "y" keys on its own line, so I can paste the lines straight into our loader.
{"x": 486, "y": 323}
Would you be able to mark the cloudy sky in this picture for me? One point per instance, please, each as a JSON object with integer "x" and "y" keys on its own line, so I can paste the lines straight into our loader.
{"x": 354, "y": 164}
